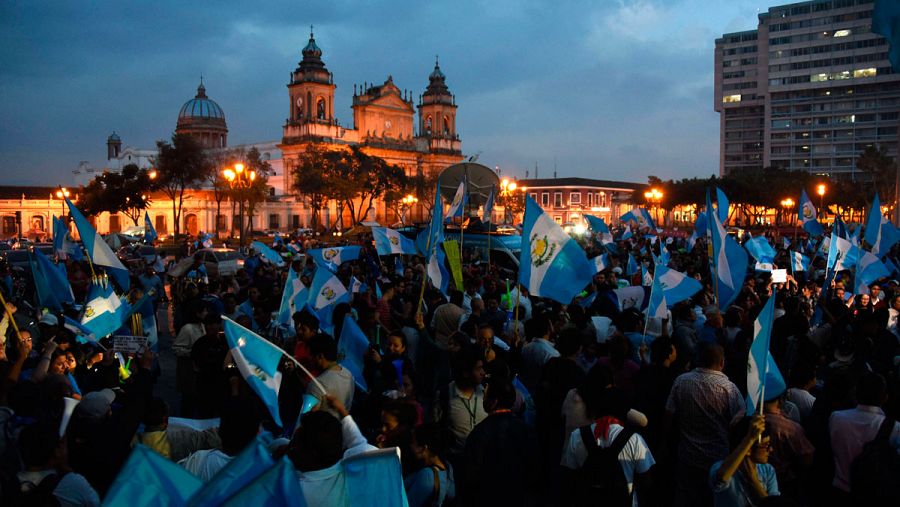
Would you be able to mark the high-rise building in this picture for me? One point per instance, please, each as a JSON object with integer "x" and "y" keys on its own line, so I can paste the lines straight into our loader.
{"x": 808, "y": 90}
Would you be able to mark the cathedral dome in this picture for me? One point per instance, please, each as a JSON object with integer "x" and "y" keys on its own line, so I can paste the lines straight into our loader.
{"x": 201, "y": 107}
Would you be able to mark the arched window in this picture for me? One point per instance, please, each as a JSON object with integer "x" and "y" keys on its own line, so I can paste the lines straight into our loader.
{"x": 320, "y": 108}
{"x": 446, "y": 126}
{"x": 37, "y": 223}
{"x": 308, "y": 104}
{"x": 428, "y": 124}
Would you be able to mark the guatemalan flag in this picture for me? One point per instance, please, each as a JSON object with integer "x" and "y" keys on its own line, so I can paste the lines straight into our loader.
{"x": 600, "y": 229}
{"x": 551, "y": 263}
{"x": 458, "y": 205}
{"x": 104, "y": 312}
{"x": 433, "y": 235}
{"x": 488, "y": 211}
{"x": 257, "y": 359}
{"x": 764, "y": 381}
{"x": 333, "y": 257}
{"x": 325, "y": 293}
{"x": 641, "y": 216}
{"x": 98, "y": 250}
{"x": 292, "y": 299}
{"x": 807, "y": 216}
{"x": 601, "y": 262}
{"x": 869, "y": 269}
{"x": 799, "y": 262}
{"x": 676, "y": 285}
{"x": 389, "y": 241}
{"x": 842, "y": 254}
{"x": 149, "y": 231}
{"x": 729, "y": 260}
{"x": 267, "y": 253}
{"x": 437, "y": 270}
{"x": 352, "y": 348}
{"x": 631, "y": 267}
{"x": 657, "y": 307}
{"x": 880, "y": 234}
{"x": 762, "y": 251}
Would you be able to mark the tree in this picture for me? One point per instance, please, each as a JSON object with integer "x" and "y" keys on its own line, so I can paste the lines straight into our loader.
{"x": 310, "y": 181}
{"x": 258, "y": 191}
{"x": 181, "y": 165}
{"x": 127, "y": 192}
{"x": 882, "y": 170}
{"x": 216, "y": 180}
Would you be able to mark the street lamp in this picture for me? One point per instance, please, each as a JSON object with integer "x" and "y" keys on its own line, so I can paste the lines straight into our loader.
{"x": 654, "y": 197}
{"x": 239, "y": 179}
{"x": 408, "y": 201}
{"x": 62, "y": 193}
{"x": 507, "y": 191}
{"x": 821, "y": 191}
{"x": 788, "y": 205}
{"x": 152, "y": 174}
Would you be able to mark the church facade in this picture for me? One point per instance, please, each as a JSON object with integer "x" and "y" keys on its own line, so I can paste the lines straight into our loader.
{"x": 421, "y": 137}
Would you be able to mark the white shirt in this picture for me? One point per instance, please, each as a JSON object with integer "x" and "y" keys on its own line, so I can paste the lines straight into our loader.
{"x": 205, "y": 464}
{"x": 338, "y": 382}
{"x": 634, "y": 458}
{"x": 327, "y": 487}
{"x": 71, "y": 491}
{"x": 803, "y": 399}
{"x": 850, "y": 431}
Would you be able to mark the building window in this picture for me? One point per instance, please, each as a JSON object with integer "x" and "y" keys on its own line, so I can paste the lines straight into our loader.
{"x": 590, "y": 198}
{"x": 9, "y": 226}
{"x": 114, "y": 224}
{"x": 731, "y": 98}
{"x": 558, "y": 219}
{"x": 534, "y": 196}
{"x": 274, "y": 221}
{"x": 221, "y": 223}
{"x": 160, "y": 224}
{"x": 557, "y": 200}
{"x": 574, "y": 197}
{"x": 446, "y": 126}
{"x": 428, "y": 123}
{"x": 37, "y": 223}
{"x": 295, "y": 221}
{"x": 545, "y": 199}
{"x": 320, "y": 108}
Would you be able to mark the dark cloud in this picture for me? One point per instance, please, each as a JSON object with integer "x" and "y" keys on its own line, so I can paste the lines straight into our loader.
{"x": 606, "y": 90}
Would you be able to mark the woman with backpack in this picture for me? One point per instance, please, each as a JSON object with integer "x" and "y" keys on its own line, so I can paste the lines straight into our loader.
{"x": 433, "y": 483}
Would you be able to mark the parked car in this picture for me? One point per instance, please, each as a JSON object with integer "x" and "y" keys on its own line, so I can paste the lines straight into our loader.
{"x": 221, "y": 261}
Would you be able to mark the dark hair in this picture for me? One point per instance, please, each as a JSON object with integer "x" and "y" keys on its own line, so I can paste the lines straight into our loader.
{"x": 660, "y": 349}
{"x": 403, "y": 411}
{"x": 502, "y": 392}
{"x": 537, "y": 327}
{"x": 801, "y": 373}
{"x": 157, "y": 412}
{"x": 305, "y": 318}
{"x": 456, "y": 297}
{"x": 870, "y": 389}
{"x": 465, "y": 362}
{"x": 612, "y": 402}
{"x": 709, "y": 355}
{"x": 323, "y": 344}
{"x": 238, "y": 427}
{"x": 37, "y": 443}
{"x": 430, "y": 435}
{"x": 599, "y": 378}
{"x": 318, "y": 442}
{"x": 568, "y": 342}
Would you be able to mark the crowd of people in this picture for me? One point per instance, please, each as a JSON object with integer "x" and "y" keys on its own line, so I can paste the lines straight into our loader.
{"x": 492, "y": 396}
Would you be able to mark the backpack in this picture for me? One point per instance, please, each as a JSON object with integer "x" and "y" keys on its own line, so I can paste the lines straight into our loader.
{"x": 874, "y": 473}
{"x": 601, "y": 478}
{"x": 38, "y": 496}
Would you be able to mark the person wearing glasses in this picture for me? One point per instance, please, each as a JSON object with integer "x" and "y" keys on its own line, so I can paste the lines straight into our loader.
{"x": 745, "y": 477}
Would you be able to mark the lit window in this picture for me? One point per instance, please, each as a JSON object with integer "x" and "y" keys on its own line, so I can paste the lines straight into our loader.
{"x": 731, "y": 98}
{"x": 870, "y": 72}
{"x": 842, "y": 33}
{"x": 575, "y": 198}
{"x": 557, "y": 199}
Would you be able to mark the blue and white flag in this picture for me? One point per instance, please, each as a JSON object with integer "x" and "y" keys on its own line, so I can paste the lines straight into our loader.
{"x": 325, "y": 293}
{"x": 488, "y": 210}
{"x": 842, "y": 254}
{"x": 104, "y": 312}
{"x": 50, "y": 282}
{"x": 764, "y": 381}
{"x": 292, "y": 299}
{"x": 799, "y": 262}
{"x": 63, "y": 244}
{"x": 82, "y": 334}
{"x": 277, "y": 240}
{"x": 600, "y": 230}
{"x": 268, "y": 254}
{"x": 352, "y": 348}
{"x": 626, "y": 233}
{"x": 664, "y": 256}
{"x": 551, "y": 264}
{"x": 601, "y": 262}
{"x": 869, "y": 269}
{"x": 148, "y": 479}
{"x": 692, "y": 240}
{"x": 437, "y": 270}
{"x": 356, "y": 285}
{"x": 760, "y": 249}
{"x": 257, "y": 359}
{"x": 786, "y": 243}
{"x": 149, "y": 231}
{"x": 657, "y": 306}
{"x": 332, "y": 257}
{"x": 639, "y": 215}
{"x": 433, "y": 235}
{"x": 676, "y": 285}
{"x": 458, "y": 205}
{"x": 374, "y": 479}
{"x": 807, "y": 216}
{"x": 398, "y": 266}
{"x": 97, "y": 249}
{"x": 632, "y": 296}
{"x": 881, "y": 234}
{"x": 631, "y": 267}
{"x": 247, "y": 466}
{"x": 206, "y": 239}
{"x": 277, "y": 487}
{"x": 389, "y": 241}
{"x": 729, "y": 260}
{"x": 721, "y": 206}
{"x": 646, "y": 276}
{"x": 840, "y": 228}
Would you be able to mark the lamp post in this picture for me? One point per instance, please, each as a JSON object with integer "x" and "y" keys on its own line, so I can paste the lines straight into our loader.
{"x": 507, "y": 192}
{"x": 407, "y": 202}
{"x": 821, "y": 191}
{"x": 654, "y": 197}
{"x": 239, "y": 179}
{"x": 62, "y": 193}
{"x": 788, "y": 205}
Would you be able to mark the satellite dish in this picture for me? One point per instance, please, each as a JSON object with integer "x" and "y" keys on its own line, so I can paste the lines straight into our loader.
{"x": 479, "y": 180}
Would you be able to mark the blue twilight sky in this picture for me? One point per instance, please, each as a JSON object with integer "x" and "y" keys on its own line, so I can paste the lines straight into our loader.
{"x": 615, "y": 89}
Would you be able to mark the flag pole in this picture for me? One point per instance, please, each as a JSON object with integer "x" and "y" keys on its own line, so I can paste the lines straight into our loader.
{"x": 10, "y": 316}
{"x": 425, "y": 274}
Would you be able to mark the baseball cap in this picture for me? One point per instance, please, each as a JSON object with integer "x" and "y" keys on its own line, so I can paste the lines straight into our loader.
{"x": 94, "y": 405}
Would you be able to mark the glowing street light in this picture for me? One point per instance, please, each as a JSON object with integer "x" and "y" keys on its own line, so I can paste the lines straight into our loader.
{"x": 654, "y": 197}
{"x": 787, "y": 204}
{"x": 408, "y": 201}
{"x": 240, "y": 180}
{"x": 821, "y": 191}
{"x": 62, "y": 193}
{"x": 152, "y": 174}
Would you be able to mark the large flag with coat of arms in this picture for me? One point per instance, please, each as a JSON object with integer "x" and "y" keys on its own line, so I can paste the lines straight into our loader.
{"x": 551, "y": 263}
{"x": 332, "y": 257}
{"x": 97, "y": 249}
{"x": 104, "y": 312}
{"x": 257, "y": 359}
{"x": 325, "y": 293}
{"x": 389, "y": 241}
{"x": 807, "y": 216}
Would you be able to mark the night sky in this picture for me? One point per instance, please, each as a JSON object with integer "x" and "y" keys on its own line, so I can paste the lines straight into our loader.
{"x": 612, "y": 89}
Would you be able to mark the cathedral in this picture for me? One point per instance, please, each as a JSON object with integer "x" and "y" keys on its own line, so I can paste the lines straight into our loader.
{"x": 385, "y": 125}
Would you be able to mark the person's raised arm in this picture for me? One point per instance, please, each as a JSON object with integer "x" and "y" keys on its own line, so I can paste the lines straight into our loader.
{"x": 733, "y": 461}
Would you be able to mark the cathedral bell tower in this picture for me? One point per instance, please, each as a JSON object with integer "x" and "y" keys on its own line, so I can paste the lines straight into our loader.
{"x": 311, "y": 89}
{"x": 437, "y": 108}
